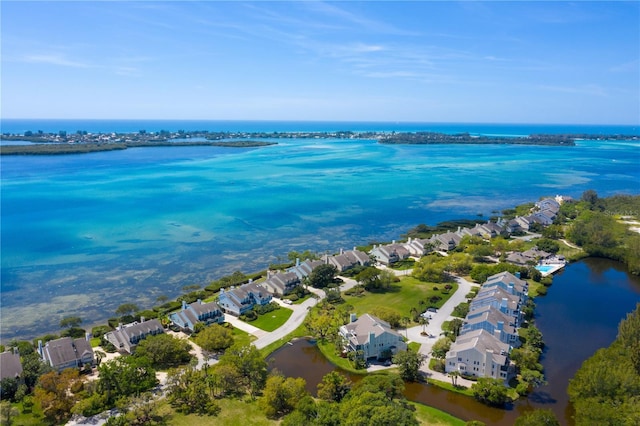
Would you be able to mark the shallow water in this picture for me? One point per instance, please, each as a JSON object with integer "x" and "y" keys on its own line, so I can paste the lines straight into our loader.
{"x": 82, "y": 234}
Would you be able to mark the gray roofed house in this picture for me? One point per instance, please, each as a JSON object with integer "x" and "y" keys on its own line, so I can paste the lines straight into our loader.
{"x": 419, "y": 246}
{"x": 481, "y": 354}
{"x": 536, "y": 254}
{"x": 548, "y": 204}
{"x": 304, "y": 269}
{"x": 372, "y": 336}
{"x": 447, "y": 241}
{"x": 347, "y": 259}
{"x": 10, "y": 365}
{"x": 510, "y": 283}
{"x": 67, "y": 353}
{"x": 238, "y": 300}
{"x": 517, "y": 258}
{"x": 493, "y": 321}
{"x": 126, "y": 338}
{"x": 281, "y": 283}
{"x": 197, "y": 312}
{"x": 390, "y": 253}
{"x": 500, "y": 299}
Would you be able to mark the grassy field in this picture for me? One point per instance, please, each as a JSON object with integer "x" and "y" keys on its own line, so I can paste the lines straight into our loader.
{"x": 235, "y": 412}
{"x": 272, "y": 320}
{"x": 402, "y": 297}
{"x": 241, "y": 336}
{"x": 433, "y": 417}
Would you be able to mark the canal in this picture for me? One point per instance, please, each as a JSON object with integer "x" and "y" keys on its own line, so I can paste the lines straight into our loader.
{"x": 579, "y": 314}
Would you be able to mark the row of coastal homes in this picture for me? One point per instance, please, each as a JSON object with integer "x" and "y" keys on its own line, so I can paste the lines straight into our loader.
{"x": 544, "y": 213}
{"x": 374, "y": 337}
{"x": 490, "y": 329}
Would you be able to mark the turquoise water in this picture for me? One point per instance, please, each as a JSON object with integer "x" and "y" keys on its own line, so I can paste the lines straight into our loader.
{"x": 544, "y": 268}
{"x": 82, "y": 234}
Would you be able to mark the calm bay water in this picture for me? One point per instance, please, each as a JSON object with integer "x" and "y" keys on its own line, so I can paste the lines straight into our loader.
{"x": 82, "y": 234}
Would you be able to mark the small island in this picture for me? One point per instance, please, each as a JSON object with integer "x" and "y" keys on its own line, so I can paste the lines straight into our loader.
{"x": 80, "y": 142}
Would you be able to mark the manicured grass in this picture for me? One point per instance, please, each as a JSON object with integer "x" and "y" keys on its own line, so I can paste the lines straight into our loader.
{"x": 414, "y": 346}
{"x": 241, "y": 336}
{"x": 32, "y": 417}
{"x": 272, "y": 320}
{"x": 302, "y": 299}
{"x": 95, "y": 342}
{"x": 448, "y": 386}
{"x": 402, "y": 297}
{"x": 433, "y": 417}
{"x": 235, "y": 412}
{"x": 329, "y": 351}
{"x": 403, "y": 265}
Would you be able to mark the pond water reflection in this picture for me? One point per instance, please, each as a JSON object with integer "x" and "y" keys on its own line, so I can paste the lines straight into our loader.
{"x": 579, "y": 315}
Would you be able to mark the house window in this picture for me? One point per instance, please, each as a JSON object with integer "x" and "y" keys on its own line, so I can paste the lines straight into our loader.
{"x": 460, "y": 359}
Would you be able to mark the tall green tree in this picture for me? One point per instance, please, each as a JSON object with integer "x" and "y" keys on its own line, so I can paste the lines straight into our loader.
{"x": 490, "y": 391}
{"x": 538, "y": 418}
{"x": 251, "y": 366}
{"x": 164, "y": 350}
{"x": 281, "y": 395}
{"x": 214, "y": 338}
{"x": 322, "y": 276}
{"x": 334, "y": 387}
{"x": 409, "y": 363}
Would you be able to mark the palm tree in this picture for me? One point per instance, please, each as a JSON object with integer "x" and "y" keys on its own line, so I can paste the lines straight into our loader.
{"x": 454, "y": 377}
{"x": 424, "y": 322}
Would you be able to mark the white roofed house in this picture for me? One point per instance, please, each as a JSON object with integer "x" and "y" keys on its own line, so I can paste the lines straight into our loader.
{"x": 197, "y": 312}
{"x": 126, "y": 337}
{"x": 481, "y": 354}
{"x": 372, "y": 336}
{"x": 67, "y": 352}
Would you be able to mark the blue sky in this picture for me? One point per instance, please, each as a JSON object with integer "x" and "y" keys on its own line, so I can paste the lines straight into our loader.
{"x": 517, "y": 62}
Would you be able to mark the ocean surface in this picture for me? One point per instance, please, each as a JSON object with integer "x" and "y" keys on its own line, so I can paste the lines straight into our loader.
{"x": 82, "y": 234}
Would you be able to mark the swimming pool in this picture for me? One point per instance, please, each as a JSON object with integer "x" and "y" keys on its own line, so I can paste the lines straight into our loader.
{"x": 545, "y": 269}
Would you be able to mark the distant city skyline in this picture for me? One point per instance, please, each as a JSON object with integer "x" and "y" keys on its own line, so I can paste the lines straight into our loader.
{"x": 419, "y": 61}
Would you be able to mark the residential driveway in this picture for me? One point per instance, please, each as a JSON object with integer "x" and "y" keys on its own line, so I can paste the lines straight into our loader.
{"x": 295, "y": 320}
{"x": 237, "y": 323}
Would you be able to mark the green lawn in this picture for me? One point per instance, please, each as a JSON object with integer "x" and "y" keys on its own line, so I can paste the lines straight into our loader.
{"x": 241, "y": 336}
{"x": 402, "y": 297}
{"x": 403, "y": 265}
{"x": 272, "y": 320}
{"x": 433, "y": 417}
{"x": 235, "y": 412}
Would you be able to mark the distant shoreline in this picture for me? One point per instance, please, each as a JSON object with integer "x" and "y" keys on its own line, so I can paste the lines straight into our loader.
{"x": 84, "y": 142}
{"x": 85, "y": 148}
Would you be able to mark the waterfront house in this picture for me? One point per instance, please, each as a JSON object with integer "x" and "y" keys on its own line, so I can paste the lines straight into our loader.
{"x": 390, "y": 253}
{"x": 304, "y": 269}
{"x": 418, "y": 246}
{"x": 238, "y": 300}
{"x": 10, "y": 365}
{"x": 347, "y": 259}
{"x": 510, "y": 283}
{"x": 374, "y": 337}
{"x": 281, "y": 283}
{"x": 197, "y": 312}
{"x": 550, "y": 204}
{"x": 126, "y": 337}
{"x": 447, "y": 241}
{"x": 480, "y": 354}
{"x": 493, "y": 321}
{"x": 500, "y": 299}
{"x": 517, "y": 258}
{"x": 67, "y": 352}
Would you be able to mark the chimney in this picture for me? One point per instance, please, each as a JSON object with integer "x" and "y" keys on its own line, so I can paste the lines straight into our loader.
{"x": 341, "y": 251}
{"x": 352, "y": 317}
{"x": 40, "y": 348}
{"x": 199, "y": 301}
{"x": 393, "y": 241}
{"x": 354, "y": 248}
{"x": 87, "y": 336}
{"x": 119, "y": 326}
{"x": 141, "y": 319}
{"x": 500, "y": 325}
{"x": 184, "y": 304}
{"x": 297, "y": 261}
{"x": 250, "y": 280}
{"x": 517, "y": 275}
